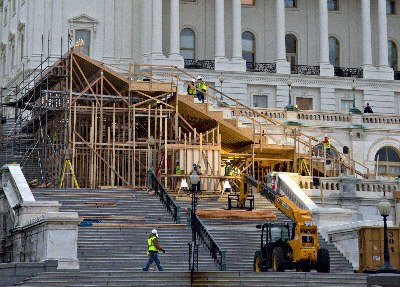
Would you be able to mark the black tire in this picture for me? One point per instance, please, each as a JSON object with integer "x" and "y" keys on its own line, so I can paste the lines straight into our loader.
{"x": 278, "y": 260}
{"x": 323, "y": 261}
{"x": 258, "y": 262}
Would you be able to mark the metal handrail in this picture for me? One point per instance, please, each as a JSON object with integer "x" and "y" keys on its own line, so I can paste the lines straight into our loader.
{"x": 166, "y": 199}
{"x": 204, "y": 235}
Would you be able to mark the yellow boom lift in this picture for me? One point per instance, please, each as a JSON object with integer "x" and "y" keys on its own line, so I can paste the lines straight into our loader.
{"x": 283, "y": 246}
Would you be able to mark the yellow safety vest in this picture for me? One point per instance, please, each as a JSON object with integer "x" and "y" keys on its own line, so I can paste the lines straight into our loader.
{"x": 202, "y": 86}
{"x": 192, "y": 90}
{"x": 150, "y": 244}
{"x": 328, "y": 144}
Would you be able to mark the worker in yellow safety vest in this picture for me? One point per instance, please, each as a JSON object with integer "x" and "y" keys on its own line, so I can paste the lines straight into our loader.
{"x": 191, "y": 88}
{"x": 152, "y": 251}
{"x": 202, "y": 86}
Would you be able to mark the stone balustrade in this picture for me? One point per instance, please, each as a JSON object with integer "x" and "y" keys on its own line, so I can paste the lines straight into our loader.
{"x": 315, "y": 118}
{"x": 367, "y": 185}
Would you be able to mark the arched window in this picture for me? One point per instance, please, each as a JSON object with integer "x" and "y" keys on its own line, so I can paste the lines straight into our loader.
{"x": 248, "y": 49}
{"x": 392, "y": 55}
{"x": 291, "y": 49}
{"x": 333, "y": 5}
{"x": 334, "y": 52}
{"x": 390, "y": 7}
{"x": 387, "y": 160}
{"x": 187, "y": 44}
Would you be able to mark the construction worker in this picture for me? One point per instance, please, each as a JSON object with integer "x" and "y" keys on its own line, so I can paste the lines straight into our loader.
{"x": 194, "y": 178}
{"x": 191, "y": 88}
{"x": 152, "y": 251}
{"x": 202, "y": 86}
{"x": 178, "y": 168}
{"x": 228, "y": 168}
{"x": 327, "y": 144}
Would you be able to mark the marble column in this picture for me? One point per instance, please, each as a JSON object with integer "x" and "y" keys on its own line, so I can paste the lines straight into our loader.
{"x": 236, "y": 29}
{"x": 282, "y": 66}
{"x": 366, "y": 32}
{"x": 144, "y": 29}
{"x": 326, "y": 69}
{"x": 174, "y": 35}
{"x": 385, "y": 72}
{"x": 382, "y": 34}
{"x": 219, "y": 29}
{"x": 237, "y": 63}
{"x": 156, "y": 36}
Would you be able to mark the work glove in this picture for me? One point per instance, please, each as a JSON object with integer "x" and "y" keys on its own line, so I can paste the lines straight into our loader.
{"x": 163, "y": 251}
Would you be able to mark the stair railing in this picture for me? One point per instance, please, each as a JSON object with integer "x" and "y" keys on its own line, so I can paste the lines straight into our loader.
{"x": 204, "y": 235}
{"x": 166, "y": 199}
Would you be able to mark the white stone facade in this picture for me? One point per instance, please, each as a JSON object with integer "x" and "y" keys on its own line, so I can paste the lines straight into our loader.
{"x": 148, "y": 31}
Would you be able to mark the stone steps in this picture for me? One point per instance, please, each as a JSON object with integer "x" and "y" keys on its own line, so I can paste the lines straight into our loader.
{"x": 129, "y": 277}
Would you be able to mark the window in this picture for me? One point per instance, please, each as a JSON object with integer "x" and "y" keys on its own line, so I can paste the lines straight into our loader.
{"x": 291, "y": 50}
{"x": 248, "y": 49}
{"x": 12, "y": 49}
{"x": 248, "y": 2}
{"x": 21, "y": 46}
{"x": 392, "y": 55}
{"x": 5, "y": 16}
{"x": 346, "y": 105}
{"x": 334, "y": 52}
{"x": 4, "y": 65}
{"x": 13, "y": 6}
{"x": 290, "y": 4}
{"x": 304, "y": 104}
{"x": 260, "y": 101}
{"x": 390, "y": 7}
{"x": 333, "y": 5}
{"x": 82, "y": 41}
{"x": 187, "y": 44}
{"x": 21, "y": 40}
{"x": 388, "y": 161}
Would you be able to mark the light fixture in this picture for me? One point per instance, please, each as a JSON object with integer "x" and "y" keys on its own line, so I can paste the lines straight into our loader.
{"x": 384, "y": 208}
{"x": 354, "y": 110}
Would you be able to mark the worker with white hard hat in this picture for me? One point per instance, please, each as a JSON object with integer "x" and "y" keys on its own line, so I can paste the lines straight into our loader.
{"x": 152, "y": 251}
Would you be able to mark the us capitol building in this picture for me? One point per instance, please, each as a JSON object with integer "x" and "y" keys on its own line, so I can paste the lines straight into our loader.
{"x": 334, "y": 54}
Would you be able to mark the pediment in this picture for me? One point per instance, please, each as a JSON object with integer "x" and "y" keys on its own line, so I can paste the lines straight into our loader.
{"x": 83, "y": 18}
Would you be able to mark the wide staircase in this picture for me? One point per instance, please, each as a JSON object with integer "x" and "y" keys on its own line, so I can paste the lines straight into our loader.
{"x": 112, "y": 251}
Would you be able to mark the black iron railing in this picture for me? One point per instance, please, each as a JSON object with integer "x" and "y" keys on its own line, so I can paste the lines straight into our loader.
{"x": 348, "y": 72}
{"x": 204, "y": 235}
{"x": 261, "y": 67}
{"x": 305, "y": 70}
{"x": 397, "y": 75}
{"x": 199, "y": 64}
{"x": 166, "y": 200}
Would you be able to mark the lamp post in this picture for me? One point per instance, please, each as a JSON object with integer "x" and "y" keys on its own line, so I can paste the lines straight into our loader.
{"x": 384, "y": 209}
{"x": 221, "y": 79}
{"x": 193, "y": 248}
{"x": 354, "y": 110}
{"x": 150, "y": 142}
{"x": 289, "y": 106}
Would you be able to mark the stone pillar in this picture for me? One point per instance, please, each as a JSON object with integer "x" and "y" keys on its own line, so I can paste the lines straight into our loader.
{"x": 366, "y": 32}
{"x": 368, "y": 69}
{"x": 382, "y": 33}
{"x": 219, "y": 30}
{"x": 326, "y": 69}
{"x": 174, "y": 35}
{"x": 237, "y": 63}
{"x": 144, "y": 29}
{"x": 236, "y": 29}
{"x": 385, "y": 71}
{"x": 156, "y": 36}
{"x": 282, "y": 66}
